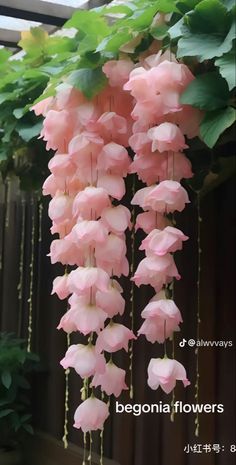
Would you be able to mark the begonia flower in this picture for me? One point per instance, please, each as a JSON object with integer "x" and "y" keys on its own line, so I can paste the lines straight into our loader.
{"x": 164, "y": 373}
{"x": 91, "y": 415}
{"x": 84, "y": 359}
{"x": 112, "y": 381}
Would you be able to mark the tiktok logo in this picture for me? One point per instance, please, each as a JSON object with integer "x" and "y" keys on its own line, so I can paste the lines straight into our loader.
{"x": 182, "y": 343}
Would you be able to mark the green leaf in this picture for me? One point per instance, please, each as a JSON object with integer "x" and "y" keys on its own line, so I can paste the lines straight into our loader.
{"x": 118, "y": 9}
{"x": 3, "y": 155}
{"x": 141, "y": 19}
{"x": 4, "y": 55}
{"x": 6, "y": 379}
{"x": 25, "y": 417}
{"x": 167, "y": 6}
{"x": 28, "y": 428}
{"x": 89, "y": 81}
{"x": 208, "y": 92}
{"x": 159, "y": 32}
{"x": 28, "y": 132}
{"x": 33, "y": 42}
{"x": 90, "y": 22}
{"x": 209, "y": 16}
{"x": 186, "y": 5}
{"x": 178, "y": 29}
{"x": 214, "y": 123}
{"x": 115, "y": 41}
{"x": 229, "y": 4}
{"x": 4, "y": 413}
{"x": 205, "y": 46}
{"x": 227, "y": 68}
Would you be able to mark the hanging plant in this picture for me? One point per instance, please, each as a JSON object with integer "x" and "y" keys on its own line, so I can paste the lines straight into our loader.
{"x": 140, "y": 89}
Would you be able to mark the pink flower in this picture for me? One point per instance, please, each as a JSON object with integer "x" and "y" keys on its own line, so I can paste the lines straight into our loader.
{"x": 176, "y": 166}
{"x": 110, "y": 255}
{"x": 66, "y": 252}
{"x": 85, "y": 318}
{"x": 161, "y": 242}
{"x": 61, "y": 165}
{"x": 111, "y": 301}
{"x": 171, "y": 75}
{"x": 167, "y": 136}
{"x": 113, "y": 184}
{"x": 118, "y": 71}
{"x": 57, "y": 130}
{"x": 114, "y": 158}
{"x": 84, "y": 148}
{"x": 188, "y": 120}
{"x": 151, "y": 220}
{"x": 150, "y": 168}
{"x": 60, "y": 287}
{"x": 162, "y": 318}
{"x": 60, "y": 208}
{"x": 112, "y": 381}
{"x": 52, "y": 184}
{"x": 83, "y": 278}
{"x": 42, "y": 107}
{"x": 63, "y": 229}
{"x": 91, "y": 415}
{"x": 141, "y": 85}
{"x": 84, "y": 360}
{"x": 140, "y": 143}
{"x": 167, "y": 196}
{"x": 116, "y": 219}
{"x": 114, "y": 337}
{"x": 165, "y": 372}
{"x": 156, "y": 271}
{"x": 68, "y": 97}
{"x": 140, "y": 197}
{"x": 112, "y": 127}
{"x": 88, "y": 233}
{"x": 90, "y": 202}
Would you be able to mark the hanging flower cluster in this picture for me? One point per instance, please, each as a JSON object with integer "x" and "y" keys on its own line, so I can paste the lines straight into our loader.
{"x": 87, "y": 175}
{"x": 158, "y": 140}
{"x": 86, "y": 183}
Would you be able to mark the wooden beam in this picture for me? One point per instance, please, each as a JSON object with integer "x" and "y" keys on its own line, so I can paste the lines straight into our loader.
{"x": 31, "y": 16}
{"x": 48, "y": 9}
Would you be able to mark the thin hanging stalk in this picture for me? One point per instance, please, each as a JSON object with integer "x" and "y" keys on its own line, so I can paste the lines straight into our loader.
{"x": 21, "y": 266}
{"x": 199, "y": 219}
{"x": 131, "y": 388}
{"x": 67, "y": 372}
{"x": 30, "y": 298}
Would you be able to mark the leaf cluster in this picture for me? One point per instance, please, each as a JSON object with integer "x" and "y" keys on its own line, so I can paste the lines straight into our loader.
{"x": 16, "y": 363}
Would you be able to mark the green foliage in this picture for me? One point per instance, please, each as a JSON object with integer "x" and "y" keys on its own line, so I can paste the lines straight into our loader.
{"x": 200, "y": 32}
{"x": 215, "y": 123}
{"x": 208, "y": 91}
{"x": 89, "y": 81}
{"x": 227, "y": 68}
{"x": 15, "y": 365}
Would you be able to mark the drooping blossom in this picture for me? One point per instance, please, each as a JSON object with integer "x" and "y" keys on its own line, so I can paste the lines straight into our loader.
{"x": 156, "y": 271}
{"x": 164, "y": 373}
{"x": 91, "y": 415}
{"x": 112, "y": 381}
{"x": 83, "y": 278}
{"x": 60, "y": 287}
{"x": 114, "y": 337}
{"x": 85, "y": 318}
{"x": 161, "y": 242}
{"x": 162, "y": 318}
{"x": 84, "y": 360}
